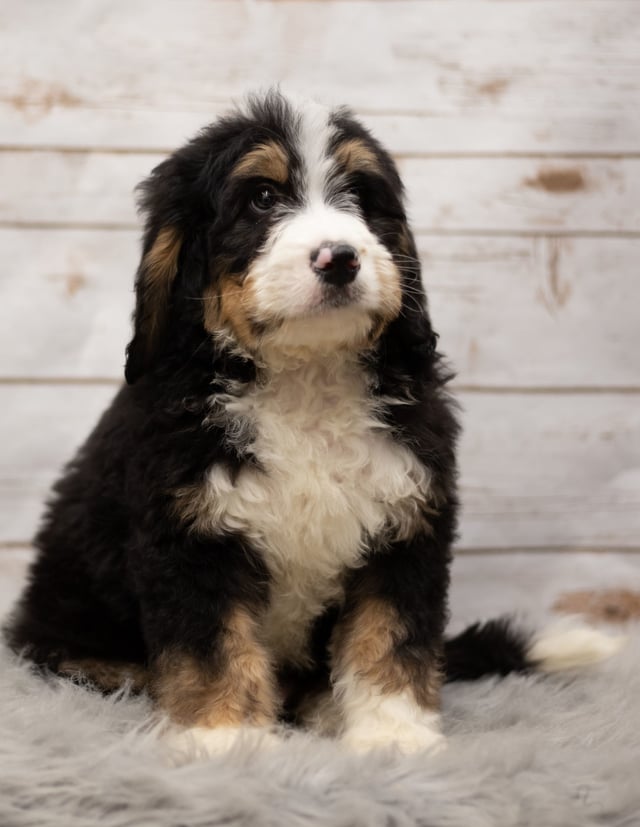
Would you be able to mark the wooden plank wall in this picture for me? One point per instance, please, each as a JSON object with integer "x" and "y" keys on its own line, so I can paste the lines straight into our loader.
{"x": 516, "y": 124}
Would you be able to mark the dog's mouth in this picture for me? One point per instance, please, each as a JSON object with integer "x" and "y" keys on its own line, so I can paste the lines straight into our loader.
{"x": 332, "y": 298}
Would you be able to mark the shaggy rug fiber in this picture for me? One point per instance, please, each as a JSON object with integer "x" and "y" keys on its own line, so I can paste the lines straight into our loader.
{"x": 537, "y": 750}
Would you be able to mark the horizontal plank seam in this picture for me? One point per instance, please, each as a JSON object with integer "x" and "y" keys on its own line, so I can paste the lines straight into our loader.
{"x": 65, "y": 149}
{"x": 407, "y": 2}
{"x": 60, "y": 380}
{"x": 546, "y": 389}
{"x": 475, "y": 232}
{"x": 550, "y": 549}
{"x": 8, "y": 545}
{"x": 70, "y": 225}
{"x": 479, "y": 232}
{"x": 510, "y": 390}
{"x": 47, "y": 226}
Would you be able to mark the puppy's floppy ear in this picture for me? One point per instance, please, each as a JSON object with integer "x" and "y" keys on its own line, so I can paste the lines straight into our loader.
{"x": 158, "y": 267}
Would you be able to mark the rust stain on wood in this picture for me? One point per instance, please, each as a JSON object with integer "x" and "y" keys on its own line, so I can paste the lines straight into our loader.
{"x": 473, "y": 353}
{"x": 493, "y": 88}
{"x": 74, "y": 283}
{"x": 554, "y": 293}
{"x": 42, "y": 97}
{"x": 558, "y": 181}
{"x": 612, "y": 605}
{"x": 559, "y": 291}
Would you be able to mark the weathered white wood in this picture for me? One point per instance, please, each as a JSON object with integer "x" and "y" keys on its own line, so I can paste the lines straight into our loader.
{"x": 491, "y": 131}
{"x": 518, "y": 312}
{"x": 485, "y": 586}
{"x": 41, "y": 427}
{"x": 485, "y": 75}
{"x": 537, "y": 470}
{"x": 511, "y": 312}
{"x": 511, "y": 194}
{"x": 67, "y": 298}
{"x": 550, "y": 470}
{"x": 453, "y": 194}
{"x": 53, "y": 188}
{"x": 554, "y": 80}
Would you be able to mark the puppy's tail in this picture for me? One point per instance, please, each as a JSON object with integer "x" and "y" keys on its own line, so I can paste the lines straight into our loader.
{"x": 499, "y": 647}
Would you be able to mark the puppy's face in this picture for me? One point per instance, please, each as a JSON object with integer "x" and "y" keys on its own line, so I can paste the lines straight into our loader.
{"x": 303, "y": 240}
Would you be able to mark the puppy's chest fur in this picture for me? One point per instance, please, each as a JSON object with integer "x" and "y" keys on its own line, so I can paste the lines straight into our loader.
{"x": 331, "y": 480}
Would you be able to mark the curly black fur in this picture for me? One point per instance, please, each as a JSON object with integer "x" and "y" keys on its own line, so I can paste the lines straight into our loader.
{"x": 119, "y": 574}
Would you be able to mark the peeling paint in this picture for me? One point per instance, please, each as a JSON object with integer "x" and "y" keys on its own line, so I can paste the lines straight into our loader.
{"x": 493, "y": 88}
{"x": 559, "y": 291}
{"x": 41, "y": 97}
{"x": 613, "y": 605}
{"x": 74, "y": 283}
{"x": 567, "y": 179}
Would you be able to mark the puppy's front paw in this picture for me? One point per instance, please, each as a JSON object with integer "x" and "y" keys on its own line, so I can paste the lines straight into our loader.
{"x": 393, "y": 722}
{"x": 184, "y": 745}
{"x": 405, "y": 739}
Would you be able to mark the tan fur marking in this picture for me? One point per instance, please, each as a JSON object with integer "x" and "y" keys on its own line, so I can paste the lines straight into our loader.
{"x": 355, "y": 156}
{"x": 230, "y": 307}
{"x": 241, "y": 692}
{"x": 392, "y": 293}
{"x": 187, "y": 503}
{"x": 160, "y": 264}
{"x": 366, "y": 645}
{"x": 106, "y": 675}
{"x": 159, "y": 268}
{"x": 390, "y": 305}
{"x": 267, "y": 160}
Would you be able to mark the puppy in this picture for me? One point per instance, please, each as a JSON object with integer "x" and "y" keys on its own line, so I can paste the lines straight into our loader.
{"x": 263, "y": 518}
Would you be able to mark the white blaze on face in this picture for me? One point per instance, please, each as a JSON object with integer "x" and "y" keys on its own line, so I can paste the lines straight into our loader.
{"x": 286, "y": 288}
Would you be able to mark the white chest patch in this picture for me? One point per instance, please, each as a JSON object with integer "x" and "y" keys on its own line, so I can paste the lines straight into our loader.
{"x": 330, "y": 476}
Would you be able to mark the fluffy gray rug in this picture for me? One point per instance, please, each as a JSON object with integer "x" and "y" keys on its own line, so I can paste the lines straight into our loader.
{"x": 540, "y": 751}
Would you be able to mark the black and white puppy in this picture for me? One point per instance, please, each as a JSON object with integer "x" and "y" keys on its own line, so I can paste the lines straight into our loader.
{"x": 263, "y": 517}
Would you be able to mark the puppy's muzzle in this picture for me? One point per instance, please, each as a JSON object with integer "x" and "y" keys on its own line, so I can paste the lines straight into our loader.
{"x": 335, "y": 264}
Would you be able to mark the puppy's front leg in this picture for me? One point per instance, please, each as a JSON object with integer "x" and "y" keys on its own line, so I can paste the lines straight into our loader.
{"x": 387, "y": 647}
{"x": 210, "y": 673}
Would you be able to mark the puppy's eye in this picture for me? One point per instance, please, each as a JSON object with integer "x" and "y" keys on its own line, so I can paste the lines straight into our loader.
{"x": 264, "y": 198}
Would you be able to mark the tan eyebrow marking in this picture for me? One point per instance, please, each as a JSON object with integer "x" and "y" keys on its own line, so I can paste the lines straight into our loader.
{"x": 356, "y": 156}
{"x": 266, "y": 161}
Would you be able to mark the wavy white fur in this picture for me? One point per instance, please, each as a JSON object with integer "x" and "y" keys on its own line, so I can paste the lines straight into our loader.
{"x": 330, "y": 475}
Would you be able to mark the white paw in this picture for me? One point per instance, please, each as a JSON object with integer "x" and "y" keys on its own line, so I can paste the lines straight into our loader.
{"x": 376, "y": 721}
{"x": 184, "y": 745}
{"x": 405, "y": 738}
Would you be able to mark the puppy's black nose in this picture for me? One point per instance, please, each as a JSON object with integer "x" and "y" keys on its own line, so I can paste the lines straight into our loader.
{"x": 336, "y": 264}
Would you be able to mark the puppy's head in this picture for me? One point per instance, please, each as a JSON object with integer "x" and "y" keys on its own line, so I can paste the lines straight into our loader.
{"x": 284, "y": 225}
